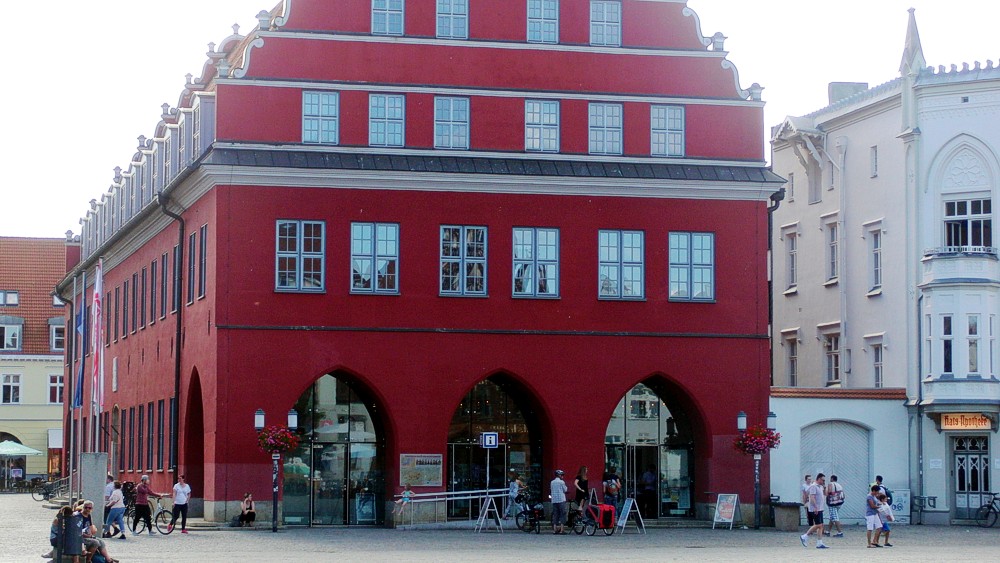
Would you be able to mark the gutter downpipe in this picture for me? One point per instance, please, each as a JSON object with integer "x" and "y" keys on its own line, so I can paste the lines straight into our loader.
{"x": 776, "y": 199}
{"x": 848, "y": 367}
{"x": 162, "y": 200}
{"x": 920, "y": 406}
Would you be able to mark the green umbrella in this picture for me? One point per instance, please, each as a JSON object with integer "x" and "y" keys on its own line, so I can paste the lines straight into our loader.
{"x": 10, "y": 448}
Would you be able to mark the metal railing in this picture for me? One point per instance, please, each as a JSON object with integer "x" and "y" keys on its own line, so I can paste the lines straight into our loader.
{"x": 960, "y": 250}
{"x": 449, "y": 498}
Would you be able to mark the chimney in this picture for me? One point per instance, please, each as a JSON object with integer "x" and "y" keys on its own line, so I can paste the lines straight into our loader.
{"x": 839, "y": 90}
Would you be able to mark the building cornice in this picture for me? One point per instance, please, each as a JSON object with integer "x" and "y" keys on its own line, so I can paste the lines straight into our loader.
{"x": 884, "y": 394}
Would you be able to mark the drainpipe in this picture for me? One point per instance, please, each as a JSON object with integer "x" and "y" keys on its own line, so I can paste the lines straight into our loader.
{"x": 920, "y": 407}
{"x": 776, "y": 199}
{"x": 840, "y": 144}
{"x": 162, "y": 201}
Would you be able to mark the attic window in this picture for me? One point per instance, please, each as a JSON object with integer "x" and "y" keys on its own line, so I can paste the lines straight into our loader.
{"x": 965, "y": 99}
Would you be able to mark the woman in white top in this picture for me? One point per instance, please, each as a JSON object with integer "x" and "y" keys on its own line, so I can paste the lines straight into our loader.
{"x": 182, "y": 492}
{"x": 116, "y": 504}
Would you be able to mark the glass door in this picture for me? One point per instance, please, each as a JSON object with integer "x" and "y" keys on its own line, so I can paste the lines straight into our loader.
{"x": 675, "y": 482}
{"x": 368, "y": 484}
{"x": 972, "y": 474}
{"x": 646, "y": 477}
{"x": 329, "y": 484}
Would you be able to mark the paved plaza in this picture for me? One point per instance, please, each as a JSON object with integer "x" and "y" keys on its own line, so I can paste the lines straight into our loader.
{"x": 24, "y": 537}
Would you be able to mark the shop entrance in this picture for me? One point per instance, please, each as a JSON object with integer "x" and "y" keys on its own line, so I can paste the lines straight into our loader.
{"x": 335, "y": 477}
{"x": 651, "y": 449}
{"x": 497, "y": 405}
{"x": 971, "y": 470}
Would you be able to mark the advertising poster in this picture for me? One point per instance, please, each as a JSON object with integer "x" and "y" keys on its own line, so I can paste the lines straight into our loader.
{"x": 421, "y": 470}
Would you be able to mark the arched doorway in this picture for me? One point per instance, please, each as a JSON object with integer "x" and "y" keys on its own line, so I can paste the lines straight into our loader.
{"x": 650, "y": 443}
{"x": 841, "y": 448}
{"x": 193, "y": 462}
{"x": 497, "y": 404}
{"x": 336, "y": 476}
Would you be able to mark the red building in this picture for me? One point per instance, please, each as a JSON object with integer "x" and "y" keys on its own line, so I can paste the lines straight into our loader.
{"x": 416, "y": 221}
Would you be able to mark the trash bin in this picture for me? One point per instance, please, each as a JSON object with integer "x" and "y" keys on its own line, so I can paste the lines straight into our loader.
{"x": 69, "y": 536}
{"x": 786, "y": 516}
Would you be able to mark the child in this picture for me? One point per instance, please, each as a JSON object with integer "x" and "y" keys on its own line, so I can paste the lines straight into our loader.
{"x": 404, "y": 500}
{"x": 885, "y": 514}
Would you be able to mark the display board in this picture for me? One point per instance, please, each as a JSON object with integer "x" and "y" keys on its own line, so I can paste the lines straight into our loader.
{"x": 727, "y": 506}
{"x": 421, "y": 470}
{"x": 630, "y": 509}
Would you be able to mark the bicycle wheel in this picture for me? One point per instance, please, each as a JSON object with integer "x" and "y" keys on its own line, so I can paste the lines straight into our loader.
{"x": 523, "y": 521}
{"x": 162, "y": 521}
{"x": 134, "y": 524}
{"x": 609, "y": 531}
{"x": 579, "y": 524}
{"x": 38, "y": 493}
{"x": 986, "y": 516}
{"x": 591, "y": 527}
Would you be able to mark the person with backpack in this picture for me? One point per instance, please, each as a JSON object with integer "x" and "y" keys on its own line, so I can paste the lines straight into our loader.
{"x": 834, "y": 500}
{"x": 612, "y": 486}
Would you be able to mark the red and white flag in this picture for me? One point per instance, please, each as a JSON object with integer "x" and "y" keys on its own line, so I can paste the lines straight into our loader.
{"x": 97, "y": 337}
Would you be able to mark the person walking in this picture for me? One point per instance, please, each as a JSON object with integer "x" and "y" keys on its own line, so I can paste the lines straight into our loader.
{"x": 116, "y": 511}
{"x": 142, "y": 511}
{"x": 182, "y": 493}
{"x": 815, "y": 505}
{"x": 557, "y": 493}
{"x": 807, "y": 482}
{"x": 872, "y": 521}
{"x": 515, "y": 490}
{"x": 108, "y": 489}
{"x": 885, "y": 515}
{"x": 834, "y": 500}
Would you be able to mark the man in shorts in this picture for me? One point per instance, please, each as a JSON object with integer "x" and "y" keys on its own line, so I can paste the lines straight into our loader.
{"x": 557, "y": 490}
{"x": 814, "y": 506}
{"x": 872, "y": 521}
{"x": 834, "y": 500}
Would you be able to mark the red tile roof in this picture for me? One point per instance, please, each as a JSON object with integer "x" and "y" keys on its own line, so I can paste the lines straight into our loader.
{"x": 32, "y": 267}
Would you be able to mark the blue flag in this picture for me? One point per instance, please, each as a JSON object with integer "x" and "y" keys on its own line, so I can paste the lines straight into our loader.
{"x": 78, "y": 391}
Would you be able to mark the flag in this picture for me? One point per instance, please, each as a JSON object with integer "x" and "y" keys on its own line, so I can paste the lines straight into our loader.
{"x": 78, "y": 389}
{"x": 97, "y": 389}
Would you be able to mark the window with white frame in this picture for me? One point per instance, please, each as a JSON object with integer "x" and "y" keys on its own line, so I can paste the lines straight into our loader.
{"x": 451, "y": 123}
{"x": 11, "y": 389}
{"x": 832, "y": 251}
{"x": 621, "y": 266}
{"x": 387, "y": 17}
{"x": 463, "y": 260}
{"x": 10, "y": 337}
{"x": 792, "y": 259}
{"x": 374, "y": 258}
{"x": 873, "y": 158}
{"x": 320, "y": 117}
{"x": 605, "y": 23}
{"x": 541, "y": 125}
{"x": 543, "y": 21}
{"x": 300, "y": 255}
{"x": 877, "y": 365}
{"x": 9, "y": 298}
{"x": 973, "y": 336}
{"x": 791, "y": 186}
{"x": 605, "y": 128}
{"x": 968, "y": 222}
{"x": 692, "y": 266}
{"x": 991, "y": 344}
{"x": 385, "y": 120}
{"x": 57, "y": 338}
{"x": 831, "y": 349}
{"x": 792, "y": 361}
{"x": 55, "y": 389}
{"x": 453, "y": 19}
{"x": 536, "y": 262}
{"x": 876, "y": 258}
{"x": 946, "y": 345}
{"x": 928, "y": 345}
{"x": 667, "y": 130}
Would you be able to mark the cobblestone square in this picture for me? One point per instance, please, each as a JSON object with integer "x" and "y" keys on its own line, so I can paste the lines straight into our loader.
{"x": 25, "y": 523}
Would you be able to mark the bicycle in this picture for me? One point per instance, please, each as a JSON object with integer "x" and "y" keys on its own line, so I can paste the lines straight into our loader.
{"x": 575, "y": 520}
{"x": 988, "y": 513}
{"x": 43, "y": 491}
{"x": 161, "y": 519}
{"x": 529, "y": 518}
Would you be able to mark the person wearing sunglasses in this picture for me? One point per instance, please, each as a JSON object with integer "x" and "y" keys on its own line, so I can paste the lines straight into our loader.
{"x": 88, "y": 530}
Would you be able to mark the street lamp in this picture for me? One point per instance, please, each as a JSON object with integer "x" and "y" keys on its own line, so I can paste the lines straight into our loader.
{"x": 741, "y": 425}
{"x": 258, "y": 424}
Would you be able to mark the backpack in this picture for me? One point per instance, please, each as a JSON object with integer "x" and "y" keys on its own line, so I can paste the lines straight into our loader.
{"x": 611, "y": 487}
{"x": 836, "y": 498}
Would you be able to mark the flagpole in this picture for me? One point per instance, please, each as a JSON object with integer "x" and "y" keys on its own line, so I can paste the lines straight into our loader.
{"x": 83, "y": 361}
{"x": 71, "y": 441}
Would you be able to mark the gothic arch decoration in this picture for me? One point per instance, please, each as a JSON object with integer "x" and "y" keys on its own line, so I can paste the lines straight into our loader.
{"x": 964, "y": 164}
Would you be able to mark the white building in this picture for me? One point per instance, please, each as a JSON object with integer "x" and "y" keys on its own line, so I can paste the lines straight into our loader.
{"x": 885, "y": 288}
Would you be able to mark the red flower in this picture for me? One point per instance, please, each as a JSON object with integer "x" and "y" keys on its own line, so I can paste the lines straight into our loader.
{"x": 277, "y": 439}
{"x": 757, "y": 440}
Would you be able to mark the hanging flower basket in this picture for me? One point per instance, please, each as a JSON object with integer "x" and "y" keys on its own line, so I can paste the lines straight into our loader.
{"x": 757, "y": 440}
{"x": 277, "y": 439}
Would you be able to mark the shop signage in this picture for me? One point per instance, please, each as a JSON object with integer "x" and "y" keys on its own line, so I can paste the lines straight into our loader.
{"x": 965, "y": 421}
{"x": 421, "y": 470}
{"x": 489, "y": 440}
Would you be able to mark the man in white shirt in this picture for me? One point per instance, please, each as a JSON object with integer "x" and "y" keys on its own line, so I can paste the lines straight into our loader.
{"x": 557, "y": 490}
{"x": 814, "y": 506}
{"x": 182, "y": 492}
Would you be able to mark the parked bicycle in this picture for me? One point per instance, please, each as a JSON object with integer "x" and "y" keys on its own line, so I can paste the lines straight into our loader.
{"x": 988, "y": 513}
{"x": 43, "y": 491}
{"x": 161, "y": 519}
{"x": 530, "y": 518}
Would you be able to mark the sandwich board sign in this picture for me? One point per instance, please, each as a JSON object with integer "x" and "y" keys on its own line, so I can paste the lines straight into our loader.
{"x": 727, "y": 506}
{"x": 630, "y": 509}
